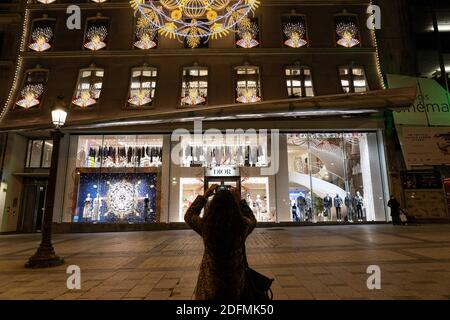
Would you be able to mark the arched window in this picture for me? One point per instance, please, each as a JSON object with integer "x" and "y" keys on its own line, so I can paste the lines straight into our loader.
{"x": 89, "y": 87}
{"x": 194, "y": 87}
{"x": 248, "y": 84}
{"x": 299, "y": 81}
{"x": 32, "y": 89}
{"x": 142, "y": 86}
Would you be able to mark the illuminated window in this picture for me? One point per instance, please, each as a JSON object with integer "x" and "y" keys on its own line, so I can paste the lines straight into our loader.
{"x": 89, "y": 87}
{"x": 346, "y": 30}
{"x": 299, "y": 82}
{"x": 294, "y": 31}
{"x": 142, "y": 86}
{"x": 353, "y": 79}
{"x": 248, "y": 84}
{"x": 39, "y": 153}
{"x": 145, "y": 36}
{"x": 33, "y": 87}
{"x": 248, "y": 34}
{"x": 41, "y": 37}
{"x": 96, "y": 33}
{"x": 194, "y": 89}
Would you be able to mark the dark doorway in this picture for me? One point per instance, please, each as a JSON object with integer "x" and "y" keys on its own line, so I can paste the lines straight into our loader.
{"x": 33, "y": 201}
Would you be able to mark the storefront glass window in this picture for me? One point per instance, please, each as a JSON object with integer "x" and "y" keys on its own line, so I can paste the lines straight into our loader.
{"x": 335, "y": 177}
{"x": 39, "y": 153}
{"x": 114, "y": 179}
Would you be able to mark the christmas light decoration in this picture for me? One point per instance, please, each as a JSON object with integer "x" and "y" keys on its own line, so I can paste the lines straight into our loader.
{"x": 86, "y": 97}
{"x": 46, "y": 1}
{"x": 30, "y": 95}
{"x": 347, "y": 31}
{"x": 145, "y": 34}
{"x": 41, "y": 37}
{"x": 140, "y": 98}
{"x": 195, "y": 20}
{"x": 193, "y": 98}
{"x": 295, "y": 33}
{"x": 248, "y": 95}
{"x": 247, "y": 34}
{"x": 96, "y": 36}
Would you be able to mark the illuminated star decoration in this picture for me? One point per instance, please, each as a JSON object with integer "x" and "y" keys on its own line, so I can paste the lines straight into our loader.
{"x": 96, "y": 36}
{"x": 193, "y": 98}
{"x": 140, "y": 98}
{"x": 145, "y": 34}
{"x": 295, "y": 33}
{"x": 196, "y": 21}
{"x": 86, "y": 97}
{"x": 247, "y": 34}
{"x": 347, "y": 31}
{"x": 41, "y": 37}
{"x": 30, "y": 95}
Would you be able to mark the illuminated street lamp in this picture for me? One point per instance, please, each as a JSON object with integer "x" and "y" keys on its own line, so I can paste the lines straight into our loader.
{"x": 45, "y": 255}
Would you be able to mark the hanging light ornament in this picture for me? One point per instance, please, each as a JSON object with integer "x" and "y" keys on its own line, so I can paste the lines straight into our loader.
{"x": 96, "y": 36}
{"x": 193, "y": 98}
{"x": 247, "y": 33}
{"x": 41, "y": 37}
{"x": 145, "y": 34}
{"x": 86, "y": 97}
{"x": 248, "y": 95}
{"x": 46, "y": 1}
{"x": 99, "y": 1}
{"x": 348, "y": 32}
{"x": 30, "y": 95}
{"x": 295, "y": 33}
{"x": 140, "y": 98}
{"x": 194, "y": 20}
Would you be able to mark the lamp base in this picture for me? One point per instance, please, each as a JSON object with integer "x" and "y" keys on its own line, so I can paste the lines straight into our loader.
{"x": 44, "y": 257}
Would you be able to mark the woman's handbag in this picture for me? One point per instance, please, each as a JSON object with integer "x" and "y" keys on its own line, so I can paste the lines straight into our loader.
{"x": 257, "y": 285}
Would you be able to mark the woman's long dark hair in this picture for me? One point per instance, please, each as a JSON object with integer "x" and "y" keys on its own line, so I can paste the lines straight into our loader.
{"x": 223, "y": 221}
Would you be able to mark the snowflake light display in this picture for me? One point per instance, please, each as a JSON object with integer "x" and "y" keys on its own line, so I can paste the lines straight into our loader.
{"x": 41, "y": 37}
{"x": 347, "y": 31}
{"x": 295, "y": 33}
{"x": 196, "y": 21}
{"x": 96, "y": 36}
{"x": 121, "y": 198}
{"x": 30, "y": 95}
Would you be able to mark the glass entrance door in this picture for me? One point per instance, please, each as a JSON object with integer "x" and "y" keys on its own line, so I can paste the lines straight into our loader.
{"x": 33, "y": 202}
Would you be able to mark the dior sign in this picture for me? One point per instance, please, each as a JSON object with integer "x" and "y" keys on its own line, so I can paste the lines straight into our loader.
{"x": 222, "y": 172}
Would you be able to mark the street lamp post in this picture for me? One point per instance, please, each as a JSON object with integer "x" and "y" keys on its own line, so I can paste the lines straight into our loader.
{"x": 45, "y": 255}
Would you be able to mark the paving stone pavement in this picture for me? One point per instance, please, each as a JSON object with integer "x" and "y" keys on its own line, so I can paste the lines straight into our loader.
{"x": 319, "y": 262}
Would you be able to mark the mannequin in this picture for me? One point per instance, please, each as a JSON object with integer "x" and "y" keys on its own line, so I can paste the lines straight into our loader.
{"x": 308, "y": 207}
{"x": 301, "y": 206}
{"x": 97, "y": 203}
{"x": 87, "y": 207}
{"x": 327, "y": 204}
{"x": 359, "y": 204}
{"x": 249, "y": 200}
{"x": 294, "y": 213}
{"x": 349, "y": 204}
{"x": 146, "y": 208}
{"x": 258, "y": 205}
{"x": 338, "y": 204}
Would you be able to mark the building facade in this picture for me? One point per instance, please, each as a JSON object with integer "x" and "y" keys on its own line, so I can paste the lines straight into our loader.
{"x": 308, "y": 73}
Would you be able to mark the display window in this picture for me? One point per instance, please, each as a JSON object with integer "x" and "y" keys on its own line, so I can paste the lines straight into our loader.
{"x": 114, "y": 179}
{"x": 190, "y": 188}
{"x": 335, "y": 177}
{"x": 255, "y": 190}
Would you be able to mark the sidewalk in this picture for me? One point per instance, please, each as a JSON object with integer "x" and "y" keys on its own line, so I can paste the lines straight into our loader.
{"x": 306, "y": 262}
